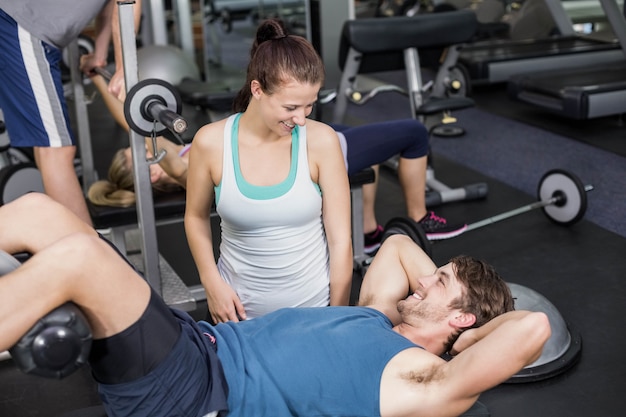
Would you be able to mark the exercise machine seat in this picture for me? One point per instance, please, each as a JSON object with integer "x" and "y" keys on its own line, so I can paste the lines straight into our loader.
{"x": 217, "y": 97}
{"x": 405, "y": 43}
{"x": 374, "y": 35}
{"x": 382, "y": 40}
{"x": 362, "y": 177}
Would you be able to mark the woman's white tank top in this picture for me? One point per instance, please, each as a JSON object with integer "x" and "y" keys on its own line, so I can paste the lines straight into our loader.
{"x": 273, "y": 252}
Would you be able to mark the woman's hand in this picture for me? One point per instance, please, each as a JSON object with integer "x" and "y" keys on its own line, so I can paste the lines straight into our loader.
{"x": 224, "y": 304}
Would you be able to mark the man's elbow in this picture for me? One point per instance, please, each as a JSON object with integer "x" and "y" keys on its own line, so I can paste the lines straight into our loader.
{"x": 540, "y": 331}
{"x": 542, "y": 325}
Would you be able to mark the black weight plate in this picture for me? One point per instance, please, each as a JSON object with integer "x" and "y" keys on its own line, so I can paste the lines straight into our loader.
{"x": 410, "y": 228}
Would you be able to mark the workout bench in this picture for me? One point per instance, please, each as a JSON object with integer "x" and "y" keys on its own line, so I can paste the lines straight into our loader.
{"x": 374, "y": 45}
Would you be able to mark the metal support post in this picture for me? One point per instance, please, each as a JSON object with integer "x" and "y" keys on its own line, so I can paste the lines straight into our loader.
{"x": 82, "y": 118}
{"x": 143, "y": 188}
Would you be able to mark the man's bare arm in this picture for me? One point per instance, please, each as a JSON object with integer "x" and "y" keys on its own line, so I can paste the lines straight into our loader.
{"x": 418, "y": 383}
{"x": 393, "y": 275}
{"x": 494, "y": 352}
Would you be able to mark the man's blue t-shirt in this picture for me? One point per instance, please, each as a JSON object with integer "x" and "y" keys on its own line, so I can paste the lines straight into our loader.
{"x": 307, "y": 361}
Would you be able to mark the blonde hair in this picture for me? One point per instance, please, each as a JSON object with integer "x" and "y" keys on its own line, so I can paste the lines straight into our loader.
{"x": 118, "y": 190}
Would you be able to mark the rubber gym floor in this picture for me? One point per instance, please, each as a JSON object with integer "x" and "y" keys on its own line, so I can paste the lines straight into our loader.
{"x": 580, "y": 269}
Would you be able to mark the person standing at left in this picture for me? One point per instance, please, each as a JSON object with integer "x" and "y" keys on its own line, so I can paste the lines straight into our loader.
{"x": 33, "y": 34}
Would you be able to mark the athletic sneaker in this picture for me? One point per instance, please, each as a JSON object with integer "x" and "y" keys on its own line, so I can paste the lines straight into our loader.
{"x": 372, "y": 240}
{"x": 438, "y": 228}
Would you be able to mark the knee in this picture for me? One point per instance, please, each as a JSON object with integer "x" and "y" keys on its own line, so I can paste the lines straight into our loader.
{"x": 75, "y": 257}
{"x": 418, "y": 128}
{"x": 415, "y": 127}
{"x": 32, "y": 201}
{"x": 83, "y": 249}
{"x": 86, "y": 266}
{"x": 35, "y": 205}
{"x": 417, "y": 136}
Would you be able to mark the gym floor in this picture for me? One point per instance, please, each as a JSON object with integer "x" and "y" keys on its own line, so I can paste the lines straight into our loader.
{"x": 579, "y": 269}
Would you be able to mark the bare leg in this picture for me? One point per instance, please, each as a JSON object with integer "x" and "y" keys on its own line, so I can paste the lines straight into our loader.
{"x": 412, "y": 176}
{"x": 59, "y": 178}
{"x": 369, "y": 201}
{"x": 80, "y": 268}
{"x": 70, "y": 263}
{"x": 34, "y": 221}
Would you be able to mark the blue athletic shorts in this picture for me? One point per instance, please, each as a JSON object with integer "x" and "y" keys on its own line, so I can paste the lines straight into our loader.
{"x": 31, "y": 89}
{"x": 188, "y": 382}
{"x": 162, "y": 365}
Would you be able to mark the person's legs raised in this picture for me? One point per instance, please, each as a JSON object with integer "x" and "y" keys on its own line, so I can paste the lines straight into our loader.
{"x": 34, "y": 221}
{"x": 81, "y": 268}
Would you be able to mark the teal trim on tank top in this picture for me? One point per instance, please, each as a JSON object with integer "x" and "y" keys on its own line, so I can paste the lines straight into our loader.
{"x": 263, "y": 192}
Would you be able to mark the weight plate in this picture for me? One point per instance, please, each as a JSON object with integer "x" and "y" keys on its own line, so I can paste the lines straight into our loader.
{"x": 459, "y": 84}
{"x": 410, "y": 228}
{"x": 143, "y": 93}
{"x": 571, "y": 193}
{"x": 86, "y": 45}
{"x": 448, "y": 131}
{"x": 17, "y": 180}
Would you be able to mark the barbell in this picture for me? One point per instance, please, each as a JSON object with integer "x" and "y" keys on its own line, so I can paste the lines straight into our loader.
{"x": 152, "y": 106}
{"x": 560, "y": 194}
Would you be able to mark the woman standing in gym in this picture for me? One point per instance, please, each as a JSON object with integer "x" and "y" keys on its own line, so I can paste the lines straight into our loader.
{"x": 280, "y": 186}
{"x": 364, "y": 146}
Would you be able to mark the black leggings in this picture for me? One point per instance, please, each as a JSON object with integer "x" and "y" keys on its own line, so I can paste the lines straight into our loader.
{"x": 374, "y": 143}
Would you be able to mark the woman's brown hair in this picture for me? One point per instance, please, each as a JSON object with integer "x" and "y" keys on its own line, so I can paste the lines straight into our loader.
{"x": 276, "y": 57}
